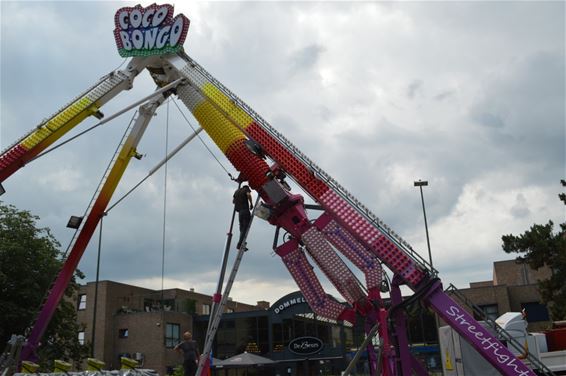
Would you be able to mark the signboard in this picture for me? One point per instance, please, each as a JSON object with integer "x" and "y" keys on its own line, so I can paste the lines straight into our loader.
{"x": 149, "y": 31}
{"x": 281, "y": 306}
{"x": 305, "y": 345}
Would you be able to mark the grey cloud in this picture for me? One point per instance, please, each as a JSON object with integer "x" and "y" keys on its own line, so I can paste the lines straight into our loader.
{"x": 325, "y": 113}
{"x": 415, "y": 88}
{"x": 487, "y": 119}
{"x": 532, "y": 96}
{"x": 304, "y": 59}
{"x": 374, "y": 156}
{"x": 521, "y": 208}
{"x": 444, "y": 95}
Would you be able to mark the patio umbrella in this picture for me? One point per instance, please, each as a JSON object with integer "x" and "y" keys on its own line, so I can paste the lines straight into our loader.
{"x": 215, "y": 362}
{"x": 245, "y": 360}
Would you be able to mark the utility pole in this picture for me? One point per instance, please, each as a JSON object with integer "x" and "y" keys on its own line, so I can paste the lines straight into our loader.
{"x": 422, "y": 184}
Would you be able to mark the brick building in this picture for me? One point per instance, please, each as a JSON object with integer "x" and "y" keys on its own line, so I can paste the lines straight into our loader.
{"x": 514, "y": 287}
{"x": 130, "y": 321}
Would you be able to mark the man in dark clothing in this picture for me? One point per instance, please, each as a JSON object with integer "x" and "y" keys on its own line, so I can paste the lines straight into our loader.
{"x": 243, "y": 204}
{"x": 191, "y": 356}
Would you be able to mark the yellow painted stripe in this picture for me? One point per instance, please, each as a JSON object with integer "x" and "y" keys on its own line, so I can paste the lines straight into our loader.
{"x": 221, "y": 100}
{"x": 69, "y": 113}
{"x": 35, "y": 138}
{"x": 68, "y": 118}
{"x": 222, "y": 131}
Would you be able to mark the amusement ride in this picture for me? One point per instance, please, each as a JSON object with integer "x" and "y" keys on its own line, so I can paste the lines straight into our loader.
{"x": 152, "y": 37}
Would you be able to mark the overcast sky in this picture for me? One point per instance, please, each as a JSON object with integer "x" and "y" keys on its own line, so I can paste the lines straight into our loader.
{"x": 467, "y": 95}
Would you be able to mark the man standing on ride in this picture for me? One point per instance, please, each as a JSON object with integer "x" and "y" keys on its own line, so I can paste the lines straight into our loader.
{"x": 242, "y": 201}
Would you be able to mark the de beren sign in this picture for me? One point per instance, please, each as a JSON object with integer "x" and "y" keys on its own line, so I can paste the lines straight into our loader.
{"x": 305, "y": 345}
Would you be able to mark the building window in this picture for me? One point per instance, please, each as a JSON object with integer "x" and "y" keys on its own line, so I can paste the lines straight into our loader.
{"x": 123, "y": 333}
{"x": 278, "y": 343}
{"x": 491, "y": 311}
{"x": 172, "y": 335}
{"x": 82, "y": 302}
{"x": 535, "y": 312}
{"x": 81, "y": 337}
{"x": 206, "y": 309}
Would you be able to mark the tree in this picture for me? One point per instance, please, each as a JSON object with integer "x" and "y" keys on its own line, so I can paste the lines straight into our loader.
{"x": 29, "y": 262}
{"x": 541, "y": 246}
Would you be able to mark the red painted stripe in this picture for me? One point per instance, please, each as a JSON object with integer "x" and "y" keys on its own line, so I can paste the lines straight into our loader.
{"x": 12, "y": 160}
{"x": 253, "y": 168}
{"x": 287, "y": 161}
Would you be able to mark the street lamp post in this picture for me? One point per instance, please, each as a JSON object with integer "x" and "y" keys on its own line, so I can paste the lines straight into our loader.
{"x": 421, "y": 184}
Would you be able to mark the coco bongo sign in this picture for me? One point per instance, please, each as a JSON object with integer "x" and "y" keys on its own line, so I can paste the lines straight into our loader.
{"x": 149, "y": 31}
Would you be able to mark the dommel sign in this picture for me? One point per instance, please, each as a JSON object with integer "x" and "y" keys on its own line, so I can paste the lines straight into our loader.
{"x": 149, "y": 31}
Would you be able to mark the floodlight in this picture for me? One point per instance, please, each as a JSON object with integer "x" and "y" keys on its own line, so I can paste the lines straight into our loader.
{"x": 74, "y": 222}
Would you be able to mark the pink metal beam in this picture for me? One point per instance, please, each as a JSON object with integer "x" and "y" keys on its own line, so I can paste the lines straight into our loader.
{"x": 399, "y": 262}
{"x": 332, "y": 266}
{"x": 321, "y": 303}
{"x": 346, "y": 215}
{"x": 371, "y": 267}
{"x": 354, "y": 251}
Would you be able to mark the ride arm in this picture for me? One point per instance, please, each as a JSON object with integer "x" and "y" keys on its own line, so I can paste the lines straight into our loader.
{"x": 334, "y": 268}
{"x": 94, "y": 213}
{"x": 50, "y": 130}
{"x": 288, "y": 210}
{"x": 354, "y": 251}
{"x": 246, "y": 138}
{"x": 233, "y": 126}
{"x": 320, "y": 302}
